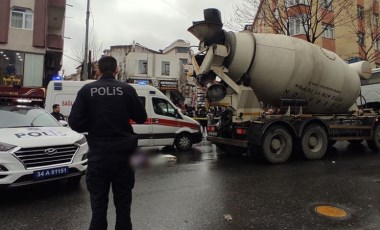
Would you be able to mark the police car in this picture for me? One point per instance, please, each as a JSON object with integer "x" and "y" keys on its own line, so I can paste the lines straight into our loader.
{"x": 35, "y": 147}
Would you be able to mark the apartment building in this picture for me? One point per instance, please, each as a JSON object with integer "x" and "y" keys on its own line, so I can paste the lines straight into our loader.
{"x": 349, "y": 28}
{"x": 164, "y": 69}
{"x": 31, "y": 41}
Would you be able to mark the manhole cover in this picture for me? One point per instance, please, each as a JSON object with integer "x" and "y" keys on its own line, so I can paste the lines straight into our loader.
{"x": 332, "y": 212}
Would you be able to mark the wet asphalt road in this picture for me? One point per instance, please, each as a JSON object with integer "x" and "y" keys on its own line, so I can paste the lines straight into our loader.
{"x": 204, "y": 185}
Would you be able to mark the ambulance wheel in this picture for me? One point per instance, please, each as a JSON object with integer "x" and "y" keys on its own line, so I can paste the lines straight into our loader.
{"x": 183, "y": 142}
{"x": 314, "y": 142}
{"x": 74, "y": 181}
{"x": 374, "y": 144}
{"x": 277, "y": 145}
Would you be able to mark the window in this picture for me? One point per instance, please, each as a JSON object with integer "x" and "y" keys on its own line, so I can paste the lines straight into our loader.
{"x": 376, "y": 20}
{"x": 361, "y": 39}
{"x": 360, "y": 12}
{"x": 276, "y": 13}
{"x": 327, "y": 4}
{"x": 289, "y": 3}
{"x": 183, "y": 61}
{"x": 164, "y": 108}
{"x": 143, "y": 67}
{"x": 22, "y": 19}
{"x": 297, "y": 26}
{"x": 328, "y": 31}
{"x": 165, "y": 69}
{"x": 376, "y": 44}
{"x": 182, "y": 50}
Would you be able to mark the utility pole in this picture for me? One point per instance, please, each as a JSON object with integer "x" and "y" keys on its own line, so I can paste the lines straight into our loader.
{"x": 85, "y": 64}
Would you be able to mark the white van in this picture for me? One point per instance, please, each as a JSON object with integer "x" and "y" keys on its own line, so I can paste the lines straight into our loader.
{"x": 165, "y": 126}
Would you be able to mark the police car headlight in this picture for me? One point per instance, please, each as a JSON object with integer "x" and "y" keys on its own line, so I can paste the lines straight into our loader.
{"x": 6, "y": 147}
{"x": 81, "y": 140}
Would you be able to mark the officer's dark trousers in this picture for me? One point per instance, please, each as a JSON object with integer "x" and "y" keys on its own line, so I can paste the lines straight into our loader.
{"x": 101, "y": 175}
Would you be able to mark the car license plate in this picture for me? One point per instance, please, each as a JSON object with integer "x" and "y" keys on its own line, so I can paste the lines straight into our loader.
{"x": 47, "y": 173}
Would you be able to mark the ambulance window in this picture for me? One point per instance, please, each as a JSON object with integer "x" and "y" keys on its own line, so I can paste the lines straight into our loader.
{"x": 163, "y": 107}
{"x": 142, "y": 99}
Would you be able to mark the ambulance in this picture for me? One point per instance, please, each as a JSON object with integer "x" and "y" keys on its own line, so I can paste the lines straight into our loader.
{"x": 166, "y": 124}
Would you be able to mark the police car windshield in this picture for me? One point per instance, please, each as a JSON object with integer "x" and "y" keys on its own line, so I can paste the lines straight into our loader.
{"x": 18, "y": 116}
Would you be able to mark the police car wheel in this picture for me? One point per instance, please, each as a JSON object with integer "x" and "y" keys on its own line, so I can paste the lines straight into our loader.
{"x": 183, "y": 142}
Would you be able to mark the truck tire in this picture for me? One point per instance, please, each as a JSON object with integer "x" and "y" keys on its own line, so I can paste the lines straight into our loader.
{"x": 277, "y": 145}
{"x": 183, "y": 142}
{"x": 314, "y": 142}
{"x": 374, "y": 143}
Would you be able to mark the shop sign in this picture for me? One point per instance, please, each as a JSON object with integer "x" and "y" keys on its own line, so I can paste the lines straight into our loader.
{"x": 25, "y": 92}
{"x": 11, "y": 80}
{"x": 168, "y": 85}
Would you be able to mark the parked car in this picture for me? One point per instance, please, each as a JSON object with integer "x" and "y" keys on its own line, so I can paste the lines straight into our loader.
{"x": 35, "y": 147}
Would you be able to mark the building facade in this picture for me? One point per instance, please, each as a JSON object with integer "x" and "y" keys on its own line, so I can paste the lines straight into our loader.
{"x": 349, "y": 28}
{"x": 165, "y": 69}
{"x": 31, "y": 41}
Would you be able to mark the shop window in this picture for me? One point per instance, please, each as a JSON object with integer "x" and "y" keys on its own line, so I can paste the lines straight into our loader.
{"x": 11, "y": 67}
{"x": 21, "y": 19}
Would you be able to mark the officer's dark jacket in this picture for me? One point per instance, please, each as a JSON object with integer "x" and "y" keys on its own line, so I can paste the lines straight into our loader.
{"x": 58, "y": 116}
{"x": 103, "y": 109}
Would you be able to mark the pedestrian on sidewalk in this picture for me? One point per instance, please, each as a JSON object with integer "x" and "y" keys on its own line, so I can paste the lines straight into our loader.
{"x": 103, "y": 109}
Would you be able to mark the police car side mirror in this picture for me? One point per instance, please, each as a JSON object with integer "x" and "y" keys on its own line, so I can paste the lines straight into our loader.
{"x": 63, "y": 123}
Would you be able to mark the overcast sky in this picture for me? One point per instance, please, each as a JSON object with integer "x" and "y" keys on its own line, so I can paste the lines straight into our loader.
{"x": 154, "y": 24}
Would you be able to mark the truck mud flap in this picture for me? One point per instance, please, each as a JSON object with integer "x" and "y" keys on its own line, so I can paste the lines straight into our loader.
{"x": 228, "y": 141}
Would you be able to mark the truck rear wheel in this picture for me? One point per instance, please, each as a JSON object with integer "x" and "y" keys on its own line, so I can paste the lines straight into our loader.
{"x": 374, "y": 144}
{"x": 314, "y": 142}
{"x": 277, "y": 145}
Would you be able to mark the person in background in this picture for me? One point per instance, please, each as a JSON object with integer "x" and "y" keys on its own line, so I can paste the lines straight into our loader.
{"x": 104, "y": 109}
{"x": 56, "y": 113}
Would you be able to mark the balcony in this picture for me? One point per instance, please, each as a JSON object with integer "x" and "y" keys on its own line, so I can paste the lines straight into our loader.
{"x": 56, "y": 14}
{"x": 54, "y": 41}
{"x": 57, "y": 3}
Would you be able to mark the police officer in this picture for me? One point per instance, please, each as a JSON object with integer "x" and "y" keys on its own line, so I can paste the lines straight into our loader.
{"x": 56, "y": 113}
{"x": 103, "y": 109}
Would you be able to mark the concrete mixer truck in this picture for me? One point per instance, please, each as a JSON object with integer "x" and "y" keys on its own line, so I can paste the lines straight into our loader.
{"x": 311, "y": 91}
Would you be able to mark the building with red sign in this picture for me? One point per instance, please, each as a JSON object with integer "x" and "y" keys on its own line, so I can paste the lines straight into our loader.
{"x": 31, "y": 46}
